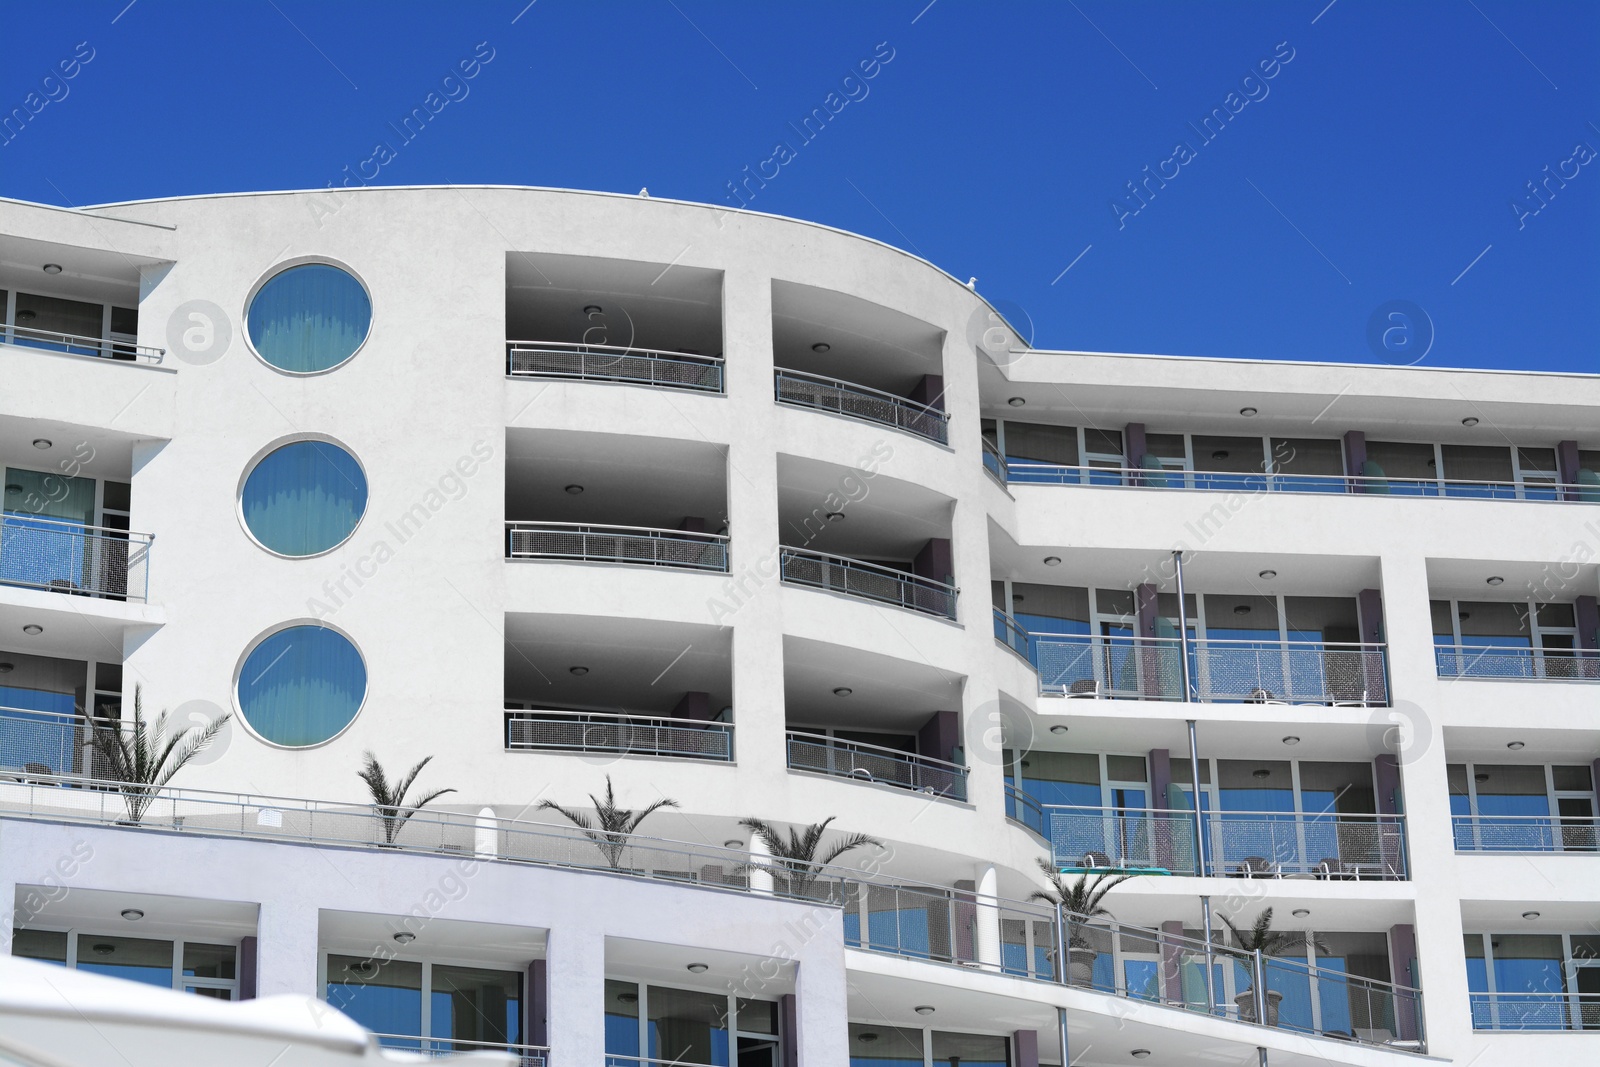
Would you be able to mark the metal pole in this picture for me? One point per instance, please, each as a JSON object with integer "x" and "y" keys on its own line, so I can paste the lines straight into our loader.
{"x": 1200, "y": 863}
{"x": 1063, "y": 944}
{"x": 1260, "y": 985}
{"x": 1183, "y": 631}
{"x": 1211, "y": 994}
{"x": 1261, "y": 1056}
{"x": 1061, "y": 1027}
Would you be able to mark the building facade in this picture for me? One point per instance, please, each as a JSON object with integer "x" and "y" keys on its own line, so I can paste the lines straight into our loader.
{"x": 558, "y": 490}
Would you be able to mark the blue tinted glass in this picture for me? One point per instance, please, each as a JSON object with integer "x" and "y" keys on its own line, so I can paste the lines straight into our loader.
{"x": 302, "y": 685}
{"x": 309, "y": 318}
{"x": 304, "y": 498}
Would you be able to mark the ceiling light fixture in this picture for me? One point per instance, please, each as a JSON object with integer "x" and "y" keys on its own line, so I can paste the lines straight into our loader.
{"x": 1017, "y": 401}
{"x": 1248, "y": 413}
{"x": 1140, "y": 1053}
{"x": 1530, "y": 915}
{"x": 577, "y": 672}
{"x": 1261, "y": 773}
{"x": 593, "y": 309}
{"x": 133, "y": 915}
{"x": 699, "y": 968}
{"x": 7, "y": 668}
{"x": 843, "y": 691}
{"x": 1052, "y": 561}
{"x": 867, "y": 1037}
{"x": 1464, "y": 615}
{"x": 1058, "y": 729}
{"x": 628, "y": 998}
{"x": 405, "y": 937}
{"x": 821, "y": 346}
{"x": 1494, "y": 579}
{"x": 923, "y": 1009}
{"x": 1480, "y": 777}
{"x": 1470, "y": 420}
{"x": 1516, "y": 746}
{"x": 1241, "y": 609}
{"x": 835, "y": 516}
{"x": 27, "y": 315}
{"x": 1221, "y": 453}
{"x": 52, "y": 268}
{"x": 1267, "y": 575}
{"x": 735, "y": 843}
{"x": 33, "y": 629}
{"x": 103, "y": 949}
{"x": 1291, "y": 740}
{"x": 574, "y": 488}
{"x": 1301, "y": 913}
{"x": 42, "y": 442}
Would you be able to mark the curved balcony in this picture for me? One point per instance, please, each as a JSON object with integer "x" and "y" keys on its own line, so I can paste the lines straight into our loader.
{"x": 69, "y": 557}
{"x": 867, "y": 581}
{"x": 1517, "y": 664}
{"x": 612, "y": 363}
{"x": 1535, "y": 1011}
{"x": 118, "y": 347}
{"x": 639, "y": 545}
{"x": 820, "y": 754}
{"x": 1526, "y": 833}
{"x": 799, "y": 389}
{"x": 556, "y": 730}
{"x": 1025, "y": 811}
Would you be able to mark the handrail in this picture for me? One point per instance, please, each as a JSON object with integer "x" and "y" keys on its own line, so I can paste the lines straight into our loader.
{"x": 1022, "y": 808}
{"x": 1526, "y": 833}
{"x": 1011, "y": 634}
{"x": 593, "y": 543}
{"x": 619, "y": 732}
{"x": 900, "y": 412}
{"x": 70, "y": 557}
{"x": 884, "y": 584}
{"x": 1552, "y": 1010}
{"x": 879, "y": 764}
{"x": 689, "y": 535}
{"x": 615, "y": 363}
{"x": 530, "y": 1055}
{"x": 33, "y": 521}
{"x": 1510, "y": 662}
{"x": 105, "y": 347}
{"x": 995, "y": 463}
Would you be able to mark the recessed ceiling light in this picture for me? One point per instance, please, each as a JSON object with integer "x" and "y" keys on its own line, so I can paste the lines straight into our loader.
{"x": 1516, "y": 746}
{"x": 1248, "y": 413}
{"x": 574, "y": 488}
{"x": 1530, "y": 915}
{"x": 405, "y": 937}
{"x": 592, "y": 309}
{"x": 1267, "y": 575}
{"x": 52, "y": 268}
{"x": 1221, "y": 453}
{"x": 1480, "y": 777}
{"x": 1058, "y": 729}
{"x": 1140, "y": 1053}
{"x": 1017, "y": 401}
{"x": 1291, "y": 740}
{"x": 1494, "y": 579}
{"x": 735, "y": 843}
{"x": 1052, "y": 561}
{"x": 1261, "y": 773}
{"x": 699, "y": 968}
{"x": 866, "y": 1037}
{"x": 628, "y": 998}
{"x": 1241, "y": 609}
{"x": 1470, "y": 420}
{"x": 1017, "y": 598}
{"x": 133, "y": 915}
{"x": 33, "y": 629}
{"x": 578, "y": 672}
{"x": 923, "y": 1009}
{"x": 843, "y": 691}
{"x": 1301, "y": 913}
{"x": 1464, "y": 615}
{"x": 835, "y": 516}
{"x": 103, "y": 949}
{"x": 27, "y": 315}
{"x": 7, "y": 668}
{"x": 12, "y": 488}
{"x": 821, "y": 346}
{"x": 42, "y": 442}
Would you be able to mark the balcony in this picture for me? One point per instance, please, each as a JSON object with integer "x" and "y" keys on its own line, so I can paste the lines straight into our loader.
{"x": 867, "y": 581}
{"x": 612, "y": 363}
{"x": 1536, "y": 1011}
{"x": 70, "y": 557}
{"x": 556, "y": 730}
{"x": 636, "y": 545}
{"x": 1526, "y": 833}
{"x": 526, "y": 1055}
{"x": 118, "y": 346}
{"x": 820, "y": 754}
{"x": 1517, "y": 663}
{"x": 34, "y": 743}
{"x": 799, "y": 389}
{"x": 1330, "y": 846}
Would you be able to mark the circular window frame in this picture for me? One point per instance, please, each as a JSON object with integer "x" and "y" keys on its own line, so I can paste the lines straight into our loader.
{"x": 255, "y": 643}
{"x": 283, "y": 442}
{"x": 290, "y": 264}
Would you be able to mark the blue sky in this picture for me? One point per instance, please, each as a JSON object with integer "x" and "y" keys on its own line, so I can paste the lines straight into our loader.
{"x": 1371, "y": 152}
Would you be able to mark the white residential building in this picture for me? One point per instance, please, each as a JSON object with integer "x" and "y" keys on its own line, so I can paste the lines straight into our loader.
{"x": 779, "y": 523}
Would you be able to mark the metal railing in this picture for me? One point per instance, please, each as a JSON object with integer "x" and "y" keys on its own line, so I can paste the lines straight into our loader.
{"x": 614, "y": 363}
{"x": 118, "y": 347}
{"x": 1123, "y": 667}
{"x": 861, "y": 402}
{"x": 69, "y": 557}
{"x": 994, "y": 462}
{"x": 1028, "y": 472}
{"x": 873, "y": 763}
{"x": 1010, "y": 633}
{"x": 927, "y": 922}
{"x": 1526, "y": 833}
{"x": 1022, "y": 808}
{"x": 1524, "y": 664}
{"x": 641, "y": 545}
{"x": 1330, "y": 846}
{"x": 47, "y": 743}
{"x": 1535, "y": 1011}
{"x": 558, "y": 730}
{"x": 857, "y": 578}
{"x": 527, "y": 1055}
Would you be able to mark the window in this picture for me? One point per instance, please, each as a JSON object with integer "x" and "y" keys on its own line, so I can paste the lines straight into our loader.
{"x": 873, "y": 1045}
{"x": 301, "y": 685}
{"x": 466, "y": 1007}
{"x": 304, "y": 498}
{"x": 202, "y": 968}
{"x": 689, "y": 1027}
{"x": 309, "y": 318}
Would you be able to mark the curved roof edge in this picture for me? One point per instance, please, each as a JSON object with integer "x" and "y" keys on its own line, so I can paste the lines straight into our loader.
{"x": 1250, "y": 360}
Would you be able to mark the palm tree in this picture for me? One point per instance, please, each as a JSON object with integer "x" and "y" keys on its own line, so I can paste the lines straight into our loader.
{"x": 391, "y": 801}
{"x": 1080, "y": 901}
{"x": 1261, "y": 937}
{"x": 796, "y": 858}
{"x": 611, "y": 826}
{"x": 145, "y": 759}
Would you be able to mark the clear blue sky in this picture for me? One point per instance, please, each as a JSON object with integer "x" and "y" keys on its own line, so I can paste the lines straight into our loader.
{"x": 1377, "y": 164}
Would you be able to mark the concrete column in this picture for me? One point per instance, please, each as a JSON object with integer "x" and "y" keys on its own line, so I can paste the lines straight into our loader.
{"x": 537, "y": 1004}
{"x": 287, "y": 958}
{"x": 789, "y": 1029}
{"x": 822, "y": 1010}
{"x": 1403, "y": 966}
{"x": 694, "y": 705}
{"x": 1369, "y": 618}
{"x": 576, "y": 975}
{"x": 1172, "y": 962}
{"x": 966, "y": 920}
{"x": 1133, "y": 444}
{"x": 485, "y": 835}
{"x": 987, "y": 934}
{"x": 940, "y": 736}
{"x": 929, "y": 391}
{"x": 1160, "y": 786}
{"x": 1586, "y": 609}
{"x": 760, "y": 877}
{"x": 1567, "y": 464}
{"x": 1147, "y": 613}
{"x": 1025, "y": 1048}
{"x": 1355, "y": 453}
{"x": 249, "y": 947}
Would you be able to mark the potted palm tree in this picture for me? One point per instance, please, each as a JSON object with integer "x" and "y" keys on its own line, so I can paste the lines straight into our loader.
{"x": 390, "y": 800}
{"x": 796, "y": 857}
{"x": 611, "y": 825}
{"x": 144, "y": 759}
{"x": 1080, "y": 901}
{"x": 1269, "y": 942}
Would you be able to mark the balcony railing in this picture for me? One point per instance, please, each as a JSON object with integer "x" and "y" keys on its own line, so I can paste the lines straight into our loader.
{"x": 1010, "y": 633}
{"x": 926, "y": 922}
{"x": 1526, "y": 833}
{"x": 872, "y": 763}
{"x": 612, "y": 363}
{"x": 862, "y": 402}
{"x": 1535, "y": 1011}
{"x": 69, "y": 557}
{"x": 641, "y": 545}
{"x": 1335, "y": 846}
{"x": 1121, "y": 667}
{"x": 1522, "y": 664}
{"x": 1022, "y": 808}
{"x": 35, "y": 743}
{"x": 1027, "y": 472}
{"x": 558, "y": 730}
{"x": 527, "y": 1055}
{"x": 857, "y": 578}
{"x": 994, "y": 462}
{"x": 118, "y": 347}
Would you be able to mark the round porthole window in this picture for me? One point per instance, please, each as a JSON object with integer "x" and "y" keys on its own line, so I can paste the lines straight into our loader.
{"x": 301, "y": 685}
{"x": 309, "y": 318}
{"x": 303, "y": 498}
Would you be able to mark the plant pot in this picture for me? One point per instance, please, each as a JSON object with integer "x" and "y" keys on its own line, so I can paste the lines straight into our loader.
{"x": 1247, "y": 1006}
{"x": 1080, "y": 966}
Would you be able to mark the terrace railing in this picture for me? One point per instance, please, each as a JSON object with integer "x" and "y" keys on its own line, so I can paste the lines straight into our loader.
{"x": 527, "y": 1055}
{"x": 1535, "y": 1011}
{"x": 873, "y": 763}
{"x": 868, "y": 581}
{"x": 1022, "y": 808}
{"x": 861, "y": 402}
{"x": 613, "y": 363}
{"x": 46, "y": 743}
{"x": 1519, "y": 664}
{"x": 118, "y": 347}
{"x": 69, "y": 557}
{"x": 994, "y": 462}
{"x": 1010, "y": 633}
{"x": 642, "y": 545}
{"x": 557, "y": 730}
{"x": 1526, "y": 833}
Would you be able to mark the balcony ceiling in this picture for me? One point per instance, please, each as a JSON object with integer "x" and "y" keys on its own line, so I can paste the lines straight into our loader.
{"x": 868, "y": 343}
{"x": 633, "y": 664}
{"x": 627, "y": 480}
{"x": 642, "y": 304}
{"x": 86, "y": 273}
{"x": 487, "y": 944}
{"x": 887, "y": 693}
{"x": 890, "y": 519}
